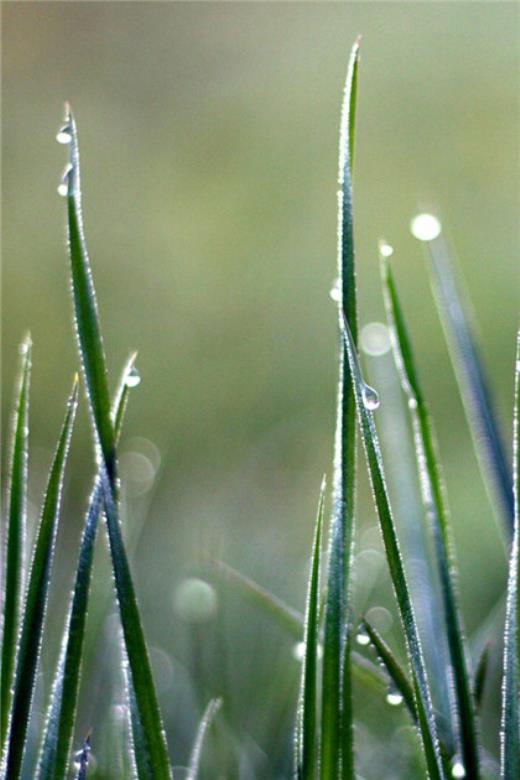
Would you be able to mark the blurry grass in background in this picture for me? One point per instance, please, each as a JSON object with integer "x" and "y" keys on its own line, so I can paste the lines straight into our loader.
{"x": 209, "y": 151}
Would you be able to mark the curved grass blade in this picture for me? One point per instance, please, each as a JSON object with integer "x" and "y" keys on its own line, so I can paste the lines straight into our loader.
{"x": 55, "y": 751}
{"x": 307, "y": 713}
{"x": 92, "y": 356}
{"x": 510, "y": 726}
{"x": 35, "y": 604}
{"x": 433, "y": 495}
{"x": 337, "y": 753}
{"x": 364, "y": 401}
{"x": 393, "y": 667}
{"x": 16, "y": 521}
{"x": 205, "y": 723}
{"x": 472, "y": 380}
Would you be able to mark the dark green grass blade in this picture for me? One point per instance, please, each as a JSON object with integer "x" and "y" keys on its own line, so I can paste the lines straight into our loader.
{"x": 393, "y": 667}
{"x": 426, "y": 720}
{"x": 93, "y": 363}
{"x": 204, "y": 725}
{"x": 481, "y": 675}
{"x": 472, "y": 380}
{"x": 14, "y": 551}
{"x": 336, "y": 717}
{"x": 510, "y": 726}
{"x": 433, "y": 495}
{"x": 35, "y": 604}
{"x": 307, "y": 714}
{"x": 59, "y": 728}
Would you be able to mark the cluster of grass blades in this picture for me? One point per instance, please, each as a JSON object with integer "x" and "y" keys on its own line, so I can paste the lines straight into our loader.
{"x": 324, "y": 739}
{"x": 26, "y": 584}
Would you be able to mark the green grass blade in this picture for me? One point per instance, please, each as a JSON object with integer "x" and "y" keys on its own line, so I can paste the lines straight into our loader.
{"x": 94, "y": 368}
{"x": 395, "y": 671}
{"x": 433, "y": 495}
{"x": 307, "y": 714}
{"x": 481, "y": 675}
{"x": 472, "y": 380}
{"x": 35, "y": 604}
{"x": 510, "y": 726}
{"x": 336, "y": 717}
{"x": 14, "y": 551}
{"x": 365, "y": 401}
{"x": 204, "y": 725}
{"x": 56, "y": 745}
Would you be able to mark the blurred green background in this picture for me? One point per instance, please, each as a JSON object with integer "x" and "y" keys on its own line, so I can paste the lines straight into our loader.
{"x": 208, "y": 136}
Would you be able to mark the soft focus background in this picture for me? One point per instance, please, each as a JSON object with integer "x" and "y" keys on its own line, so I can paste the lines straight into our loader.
{"x": 208, "y": 135}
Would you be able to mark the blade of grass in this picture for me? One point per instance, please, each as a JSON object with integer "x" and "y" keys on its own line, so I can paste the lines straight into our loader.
{"x": 56, "y": 745}
{"x": 81, "y": 760}
{"x": 92, "y": 356}
{"x": 16, "y": 520}
{"x": 35, "y": 604}
{"x": 337, "y": 754}
{"x": 472, "y": 379}
{"x": 481, "y": 675}
{"x": 204, "y": 725}
{"x": 510, "y": 725}
{"x": 365, "y": 400}
{"x": 307, "y": 713}
{"x": 433, "y": 495}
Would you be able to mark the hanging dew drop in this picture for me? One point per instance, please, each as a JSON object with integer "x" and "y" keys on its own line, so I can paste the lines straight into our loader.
{"x": 425, "y": 227}
{"x": 335, "y": 291}
{"x": 394, "y": 698}
{"x": 457, "y": 769}
{"x": 385, "y": 249}
{"x": 370, "y": 398}
{"x": 133, "y": 378}
{"x": 362, "y": 638}
{"x": 64, "y": 135}
{"x": 63, "y": 187}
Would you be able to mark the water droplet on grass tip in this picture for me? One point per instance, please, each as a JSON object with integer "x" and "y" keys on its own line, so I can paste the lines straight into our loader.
{"x": 425, "y": 227}
{"x": 370, "y": 398}
{"x": 64, "y": 135}
{"x": 385, "y": 249}
{"x": 362, "y": 638}
{"x": 133, "y": 377}
{"x": 457, "y": 769}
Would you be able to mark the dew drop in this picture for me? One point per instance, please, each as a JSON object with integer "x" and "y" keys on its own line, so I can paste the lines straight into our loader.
{"x": 412, "y": 403}
{"x": 394, "y": 698}
{"x": 425, "y": 227}
{"x": 385, "y": 249}
{"x": 375, "y": 339}
{"x": 64, "y": 135}
{"x": 63, "y": 186}
{"x": 370, "y": 398}
{"x": 133, "y": 377}
{"x": 298, "y": 651}
{"x": 458, "y": 770}
{"x": 335, "y": 291}
{"x": 362, "y": 638}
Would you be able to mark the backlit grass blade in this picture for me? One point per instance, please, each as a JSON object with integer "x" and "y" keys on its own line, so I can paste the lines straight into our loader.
{"x": 481, "y": 675}
{"x": 35, "y": 604}
{"x": 307, "y": 713}
{"x": 472, "y": 379}
{"x": 15, "y": 532}
{"x": 336, "y": 716}
{"x": 205, "y": 723}
{"x": 433, "y": 495}
{"x": 401, "y": 686}
{"x": 93, "y": 363}
{"x": 56, "y": 746}
{"x": 510, "y": 725}
{"x": 366, "y": 400}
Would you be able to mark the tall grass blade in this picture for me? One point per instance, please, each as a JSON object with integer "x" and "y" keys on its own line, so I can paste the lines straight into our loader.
{"x": 204, "y": 725}
{"x": 337, "y": 754}
{"x": 481, "y": 675}
{"x": 307, "y": 713}
{"x": 365, "y": 402}
{"x": 56, "y": 745}
{"x": 14, "y": 550}
{"x": 35, "y": 604}
{"x": 510, "y": 726}
{"x": 433, "y": 495}
{"x": 91, "y": 351}
{"x": 472, "y": 380}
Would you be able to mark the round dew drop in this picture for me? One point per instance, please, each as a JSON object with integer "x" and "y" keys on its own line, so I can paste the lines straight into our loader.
{"x": 375, "y": 339}
{"x": 335, "y": 291}
{"x": 133, "y": 378}
{"x": 64, "y": 135}
{"x": 394, "y": 698}
{"x": 370, "y": 398}
{"x": 457, "y": 769}
{"x": 425, "y": 227}
{"x": 362, "y": 638}
{"x": 385, "y": 249}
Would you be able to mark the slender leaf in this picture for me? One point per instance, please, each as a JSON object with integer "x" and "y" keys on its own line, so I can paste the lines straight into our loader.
{"x": 59, "y": 728}
{"x": 366, "y": 400}
{"x": 15, "y": 532}
{"x": 472, "y": 379}
{"x": 434, "y": 499}
{"x": 337, "y": 754}
{"x": 35, "y": 604}
{"x": 196, "y": 753}
{"x": 93, "y": 363}
{"x": 481, "y": 675}
{"x": 306, "y": 718}
{"x": 510, "y": 726}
